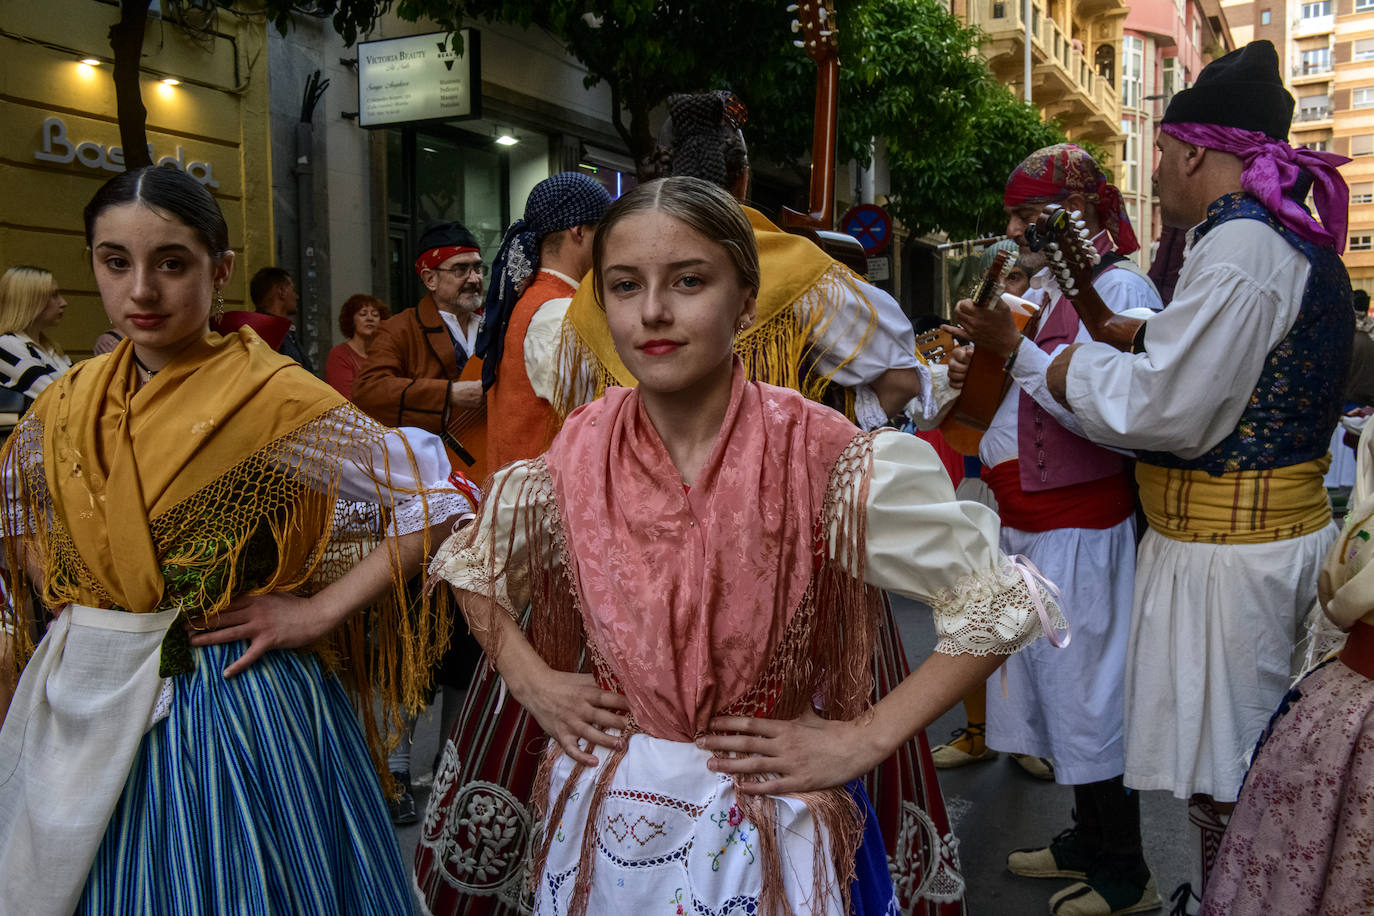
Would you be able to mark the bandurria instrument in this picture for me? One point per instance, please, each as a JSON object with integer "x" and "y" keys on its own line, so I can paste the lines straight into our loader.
{"x": 987, "y": 381}
{"x": 1064, "y": 236}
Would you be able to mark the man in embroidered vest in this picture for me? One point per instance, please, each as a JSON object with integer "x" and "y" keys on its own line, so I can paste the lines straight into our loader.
{"x": 1229, "y": 397}
{"x": 1067, "y": 505}
{"x": 422, "y": 369}
{"x": 536, "y": 272}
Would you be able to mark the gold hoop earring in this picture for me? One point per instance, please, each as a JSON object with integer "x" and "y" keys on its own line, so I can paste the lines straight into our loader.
{"x": 217, "y": 311}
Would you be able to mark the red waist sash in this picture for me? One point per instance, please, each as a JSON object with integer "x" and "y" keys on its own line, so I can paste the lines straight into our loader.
{"x": 1096, "y": 504}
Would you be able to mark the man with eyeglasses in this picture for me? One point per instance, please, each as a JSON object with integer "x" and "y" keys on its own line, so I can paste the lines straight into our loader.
{"x": 422, "y": 369}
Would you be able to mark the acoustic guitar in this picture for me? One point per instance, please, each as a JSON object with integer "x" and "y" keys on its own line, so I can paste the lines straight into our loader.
{"x": 1064, "y": 237}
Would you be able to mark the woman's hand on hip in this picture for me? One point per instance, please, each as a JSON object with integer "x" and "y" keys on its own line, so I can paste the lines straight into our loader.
{"x": 792, "y": 755}
{"x": 274, "y": 621}
{"x": 572, "y": 709}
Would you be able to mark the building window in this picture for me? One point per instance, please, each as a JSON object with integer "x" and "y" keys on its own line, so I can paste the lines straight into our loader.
{"x": 1317, "y": 60}
{"x": 1362, "y": 97}
{"x": 1264, "y": 17}
{"x": 1314, "y": 107}
{"x": 1362, "y": 192}
{"x": 1317, "y": 9}
{"x": 1132, "y": 71}
{"x": 1364, "y": 6}
{"x": 1170, "y": 78}
{"x": 1362, "y": 145}
{"x": 1362, "y": 243}
{"x": 1130, "y": 156}
{"x": 1363, "y": 49}
{"x": 1320, "y": 146}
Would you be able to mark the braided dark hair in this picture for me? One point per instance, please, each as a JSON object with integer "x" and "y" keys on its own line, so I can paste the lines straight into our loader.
{"x": 701, "y": 138}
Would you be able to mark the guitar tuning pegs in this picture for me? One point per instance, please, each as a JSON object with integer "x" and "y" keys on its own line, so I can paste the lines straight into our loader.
{"x": 799, "y": 44}
{"x": 792, "y": 8}
{"x": 796, "y": 26}
{"x": 822, "y": 14}
{"x": 826, "y": 33}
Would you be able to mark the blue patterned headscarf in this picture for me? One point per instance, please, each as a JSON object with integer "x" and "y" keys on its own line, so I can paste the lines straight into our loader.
{"x": 560, "y": 202}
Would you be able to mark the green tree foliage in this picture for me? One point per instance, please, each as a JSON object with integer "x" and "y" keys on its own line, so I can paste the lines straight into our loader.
{"x": 910, "y": 75}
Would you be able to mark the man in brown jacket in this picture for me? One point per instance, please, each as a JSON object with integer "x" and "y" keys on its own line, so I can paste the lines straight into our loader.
{"x": 421, "y": 369}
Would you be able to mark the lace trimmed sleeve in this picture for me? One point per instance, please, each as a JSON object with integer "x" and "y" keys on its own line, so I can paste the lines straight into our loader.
{"x": 405, "y": 470}
{"x": 491, "y": 556}
{"x": 924, "y": 543}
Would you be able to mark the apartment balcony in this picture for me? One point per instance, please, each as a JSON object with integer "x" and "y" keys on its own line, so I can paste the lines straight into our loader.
{"x": 1307, "y": 26}
{"x": 1312, "y": 119}
{"x": 1309, "y": 74}
{"x": 1064, "y": 83}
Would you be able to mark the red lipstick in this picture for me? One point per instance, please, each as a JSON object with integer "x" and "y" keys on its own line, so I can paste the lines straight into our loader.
{"x": 659, "y": 347}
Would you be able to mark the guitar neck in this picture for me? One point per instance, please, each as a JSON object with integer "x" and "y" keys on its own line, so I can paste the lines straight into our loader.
{"x": 1103, "y": 325}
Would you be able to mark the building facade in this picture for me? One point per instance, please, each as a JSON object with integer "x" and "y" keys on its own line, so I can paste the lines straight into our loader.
{"x": 204, "y": 85}
{"x": 1165, "y": 44}
{"x": 1075, "y": 58}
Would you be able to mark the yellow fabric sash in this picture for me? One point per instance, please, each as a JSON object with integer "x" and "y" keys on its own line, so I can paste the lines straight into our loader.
{"x": 1249, "y": 507}
{"x": 796, "y": 280}
{"x": 117, "y": 456}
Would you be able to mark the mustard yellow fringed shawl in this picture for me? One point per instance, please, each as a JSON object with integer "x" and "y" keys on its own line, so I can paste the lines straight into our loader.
{"x": 218, "y": 477}
{"x": 798, "y": 285}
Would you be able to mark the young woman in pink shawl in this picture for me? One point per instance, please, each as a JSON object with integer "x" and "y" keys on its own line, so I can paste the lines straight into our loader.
{"x": 708, "y": 553}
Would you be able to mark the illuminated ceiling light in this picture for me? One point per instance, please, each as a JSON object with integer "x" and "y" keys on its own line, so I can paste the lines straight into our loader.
{"x": 91, "y": 61}
{"x": 170, "y": 81}
{"x": 507, "y": 140}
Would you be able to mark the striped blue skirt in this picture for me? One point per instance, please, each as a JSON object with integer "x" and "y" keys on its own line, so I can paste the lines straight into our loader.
{"x": 255, "y": 795}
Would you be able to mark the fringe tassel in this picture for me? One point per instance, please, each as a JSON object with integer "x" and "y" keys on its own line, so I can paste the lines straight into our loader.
{"x": 278, "y": 507}
{"x": 780, "y": 350}
{"x": 586, "y": 864}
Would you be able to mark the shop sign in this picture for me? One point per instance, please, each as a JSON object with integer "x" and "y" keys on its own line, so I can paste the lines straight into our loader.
{"x": 58, "y": 148}
{"x": 419, "y": 78}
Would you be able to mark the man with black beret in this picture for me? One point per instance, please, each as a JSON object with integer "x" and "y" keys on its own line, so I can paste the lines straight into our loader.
{"x": 1229, "y": 398}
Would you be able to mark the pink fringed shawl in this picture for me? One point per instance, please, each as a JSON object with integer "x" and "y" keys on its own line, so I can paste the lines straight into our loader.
{"x": 686, "y": 595}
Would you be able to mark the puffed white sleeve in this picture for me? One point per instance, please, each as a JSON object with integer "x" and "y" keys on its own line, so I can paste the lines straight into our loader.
{"x": 922, "y": 542}
{"x": 491, "y": 556}
{"x": 862, "y": 333}
{"x": 381, "y": 472}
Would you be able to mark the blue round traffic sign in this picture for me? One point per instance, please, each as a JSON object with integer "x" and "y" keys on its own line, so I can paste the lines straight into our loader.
{"x": 871, "y": 225}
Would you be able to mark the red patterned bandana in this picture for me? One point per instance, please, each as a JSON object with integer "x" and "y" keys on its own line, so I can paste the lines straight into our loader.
{"x": 1053, "y": 173}
{"x": 436, "y": 256}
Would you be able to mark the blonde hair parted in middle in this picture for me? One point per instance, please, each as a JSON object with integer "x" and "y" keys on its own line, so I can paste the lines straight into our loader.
{"x": 701, "y": 206}
{"x": 24, "y": 293}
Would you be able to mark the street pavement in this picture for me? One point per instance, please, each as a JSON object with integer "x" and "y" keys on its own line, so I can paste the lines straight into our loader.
{"x": 994, "y": 807}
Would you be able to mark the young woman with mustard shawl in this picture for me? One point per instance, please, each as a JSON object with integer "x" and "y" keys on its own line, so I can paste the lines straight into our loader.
{"x": 709, "y": 550}
{"x": 190, "y": 508}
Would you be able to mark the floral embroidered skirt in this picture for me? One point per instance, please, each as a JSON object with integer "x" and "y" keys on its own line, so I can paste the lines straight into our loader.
{"x": 1302, "y": 838}
{"x": 255, "y": 795}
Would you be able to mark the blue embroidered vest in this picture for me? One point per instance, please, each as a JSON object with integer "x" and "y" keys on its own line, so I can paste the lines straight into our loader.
{"x": 1298, "y": 398}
